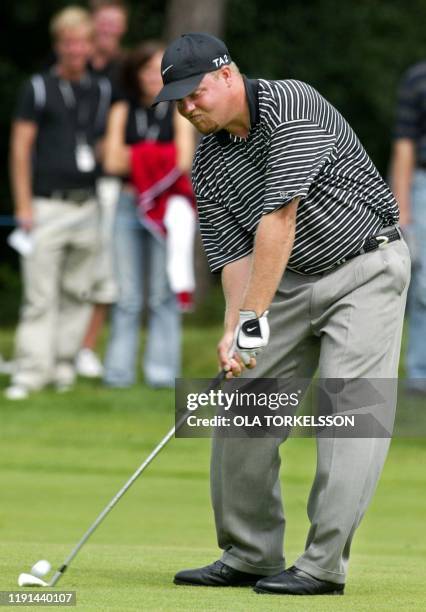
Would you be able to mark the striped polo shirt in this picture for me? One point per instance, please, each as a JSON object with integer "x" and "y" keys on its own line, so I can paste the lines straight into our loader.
{"x": 298, "y": 146}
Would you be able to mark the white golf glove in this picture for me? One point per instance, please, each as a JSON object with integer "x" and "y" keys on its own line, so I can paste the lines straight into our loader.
{"x": 251, "y": 334}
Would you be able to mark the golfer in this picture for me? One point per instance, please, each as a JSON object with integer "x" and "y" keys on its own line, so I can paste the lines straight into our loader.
{"x": 304, "y": 231}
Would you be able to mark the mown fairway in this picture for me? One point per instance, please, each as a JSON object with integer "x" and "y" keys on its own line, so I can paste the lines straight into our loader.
{"x": 62, "y": 457}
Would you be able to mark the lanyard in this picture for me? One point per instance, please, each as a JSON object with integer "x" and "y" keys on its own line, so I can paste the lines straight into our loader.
{"x": 80, "y": 112}
{"x": 151, "y": 132}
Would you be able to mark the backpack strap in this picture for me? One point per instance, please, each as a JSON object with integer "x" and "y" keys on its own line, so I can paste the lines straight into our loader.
{"x": 39, "y": 88}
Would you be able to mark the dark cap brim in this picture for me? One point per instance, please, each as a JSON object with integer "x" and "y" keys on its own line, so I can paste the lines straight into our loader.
{"x": 179, "y": 89}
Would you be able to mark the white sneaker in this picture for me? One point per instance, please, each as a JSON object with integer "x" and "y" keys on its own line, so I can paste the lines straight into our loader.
{"x": 88, "y": 364}
{"x": 64, "y": 377}
{"x": 16, "y": 392}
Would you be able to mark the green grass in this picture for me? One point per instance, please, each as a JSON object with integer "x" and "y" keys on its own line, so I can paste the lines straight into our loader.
{"x": 62, "y": 458}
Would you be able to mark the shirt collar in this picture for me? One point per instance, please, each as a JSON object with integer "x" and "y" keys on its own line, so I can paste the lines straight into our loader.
{"x": 252, "y": 93}
{"x": 85, "y": 80}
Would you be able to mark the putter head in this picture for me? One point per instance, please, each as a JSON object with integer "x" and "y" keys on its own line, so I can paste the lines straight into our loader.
{"x": 27, "y": 580}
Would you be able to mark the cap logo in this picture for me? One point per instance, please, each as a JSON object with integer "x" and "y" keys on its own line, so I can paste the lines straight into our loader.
{"x": 222, "y": 60}
{"x": 166, "y": 69}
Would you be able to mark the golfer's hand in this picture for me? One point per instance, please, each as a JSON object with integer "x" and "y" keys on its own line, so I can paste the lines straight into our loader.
{"x": 251, "y": 335}
{"x": 229, "y": 361}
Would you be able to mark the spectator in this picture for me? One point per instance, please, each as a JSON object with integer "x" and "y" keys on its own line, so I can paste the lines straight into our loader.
{"x": 58, "y": 117}
{"x": 136, "y": 246}
{"x": 409, "y": 185}
{"x": 110, "y": 25}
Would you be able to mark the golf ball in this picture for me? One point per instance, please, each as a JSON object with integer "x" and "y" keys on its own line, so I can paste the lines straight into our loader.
{"x": 41, "y": 568}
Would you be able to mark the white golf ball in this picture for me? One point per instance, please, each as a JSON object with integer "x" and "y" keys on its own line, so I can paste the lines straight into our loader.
{"x": 41, "y": 568}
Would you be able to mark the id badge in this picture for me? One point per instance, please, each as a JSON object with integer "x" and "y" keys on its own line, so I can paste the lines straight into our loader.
{"x": 84, "y": 157}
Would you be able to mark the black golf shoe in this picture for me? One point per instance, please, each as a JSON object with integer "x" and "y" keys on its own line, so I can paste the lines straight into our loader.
{"x": 216, "y": 575}
{"x": 294, "y": 581}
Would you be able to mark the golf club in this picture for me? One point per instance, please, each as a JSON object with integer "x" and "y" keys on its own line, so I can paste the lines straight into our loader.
{"x": 31, "y": 580}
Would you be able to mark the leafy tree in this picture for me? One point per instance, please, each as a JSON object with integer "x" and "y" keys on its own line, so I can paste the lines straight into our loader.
{"x": 353, "y": 52}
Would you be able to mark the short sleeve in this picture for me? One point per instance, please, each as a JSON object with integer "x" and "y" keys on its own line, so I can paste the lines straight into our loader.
{"x": 407, "y": 109}
{"x": 26, "y": 108}
{"x": 226, "y": 238}
{"x": 298, "y": 152}
{"x": 224, "y": 241}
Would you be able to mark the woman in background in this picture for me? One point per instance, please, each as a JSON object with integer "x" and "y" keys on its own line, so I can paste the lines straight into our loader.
{"x": 137, "y": 248}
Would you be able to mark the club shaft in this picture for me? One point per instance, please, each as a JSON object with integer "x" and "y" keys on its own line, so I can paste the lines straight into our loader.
{"x": 216, "y": 381}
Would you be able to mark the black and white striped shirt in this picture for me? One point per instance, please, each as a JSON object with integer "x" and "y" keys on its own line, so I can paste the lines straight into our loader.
{"x": 298, "y": 146}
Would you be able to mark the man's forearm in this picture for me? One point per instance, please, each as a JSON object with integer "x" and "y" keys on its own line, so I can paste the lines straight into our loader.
{"x": 234, "y": 281}
{"x": 272, "y": 249}
{"x": 402, "y": 168}
{"x": 250, "y": 284}
{"x": 23, "y": 136}
{"x": 21, "y": 184}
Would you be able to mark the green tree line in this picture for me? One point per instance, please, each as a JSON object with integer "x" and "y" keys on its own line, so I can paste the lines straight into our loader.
{"x": 353, "y": 52}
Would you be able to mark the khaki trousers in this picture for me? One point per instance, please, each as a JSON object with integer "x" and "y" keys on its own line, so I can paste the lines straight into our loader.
{"x": 57, "y": 280}
{"x": 348, "y": 324}
{"x": 105, "y": 290}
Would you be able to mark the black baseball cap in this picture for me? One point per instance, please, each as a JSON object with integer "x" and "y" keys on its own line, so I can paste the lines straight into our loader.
{"x": 185, "y": 62}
